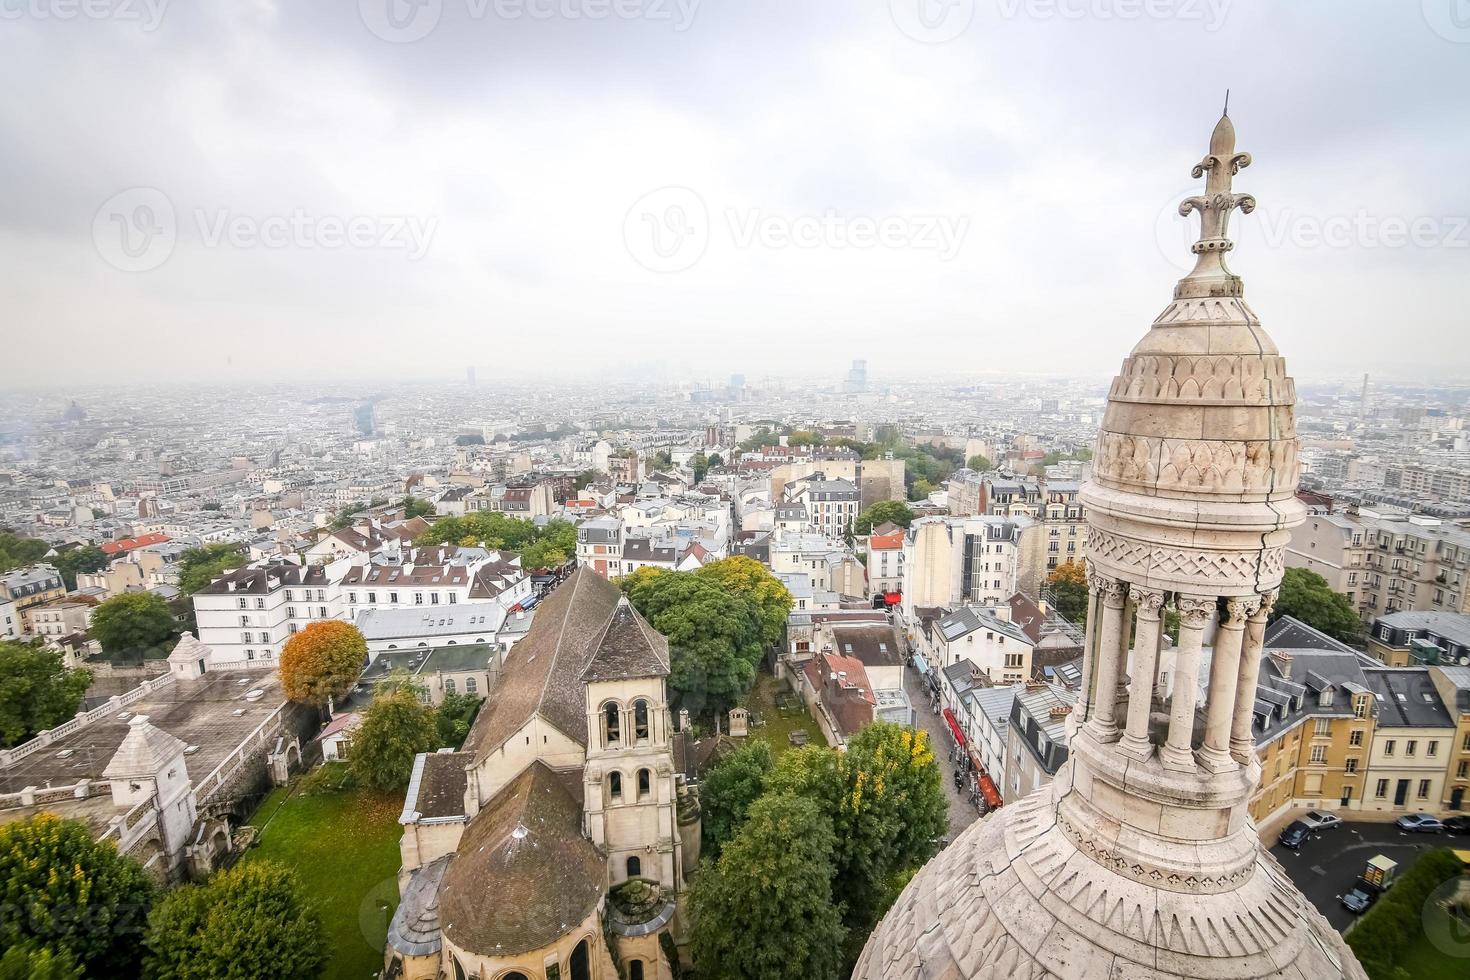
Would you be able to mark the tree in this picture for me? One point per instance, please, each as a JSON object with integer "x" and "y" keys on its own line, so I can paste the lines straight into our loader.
{"x": 728, "y": 790}
{"x": 716, "y": 460}
{"x": 76, "y": 561}
{"x": 416, "y": 507}
{"x": 17, "y": 551}
{"x": 884, "y": 512}
{"x": 454, "y": 716}
{"x": 699, "y": 463}
{"x": 65, "y": 890}
{"x": 1306, "y": 596}
{"x": 754, "y": 583}
{"x": 921, "y": 489}
{"x": 765, "y": 910}
{"x": 978, "y": 463}
{"x": 347, "y": 515}
{"x": 1068, "y": 582}
{"x": 805, "y": 437}
{"x": 714, "y": 636}
{"x": 37, "y": 691}
{"x": 396, "y": 727}
{"x": 132, "y": 625}
{"x": 200, "y": 566}
{"x": 30, "y": 962}
{"x": 586, "y": 478}
{"x": 322, "y": 661}
{"x": 253, "y": 920}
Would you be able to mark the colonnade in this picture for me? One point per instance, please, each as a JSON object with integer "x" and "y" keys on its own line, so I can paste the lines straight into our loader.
{"x": 1117, "y": 610}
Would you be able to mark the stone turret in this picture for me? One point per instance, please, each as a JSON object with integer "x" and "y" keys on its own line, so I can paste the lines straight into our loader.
{"x": 1140, "y": 859}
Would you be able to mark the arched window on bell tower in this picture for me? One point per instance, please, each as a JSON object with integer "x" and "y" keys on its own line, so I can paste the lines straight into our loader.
{"x": 612, "y": 725}
{"x": 640, "y": 720}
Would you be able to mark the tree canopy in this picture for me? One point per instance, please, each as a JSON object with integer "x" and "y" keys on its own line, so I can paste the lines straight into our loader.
{"x": 199, "y": 566}
{"x": 764, "y": 911}
{"x": 17, "y": 550}
{"x": 884, "y": 512}
{"x": 539, "y": 547}
{"x": 714, "y": 635}
{"x": 322, "y": 661}
{"x": 37, "y": 691}
{"x": 396, "y": 727}
{"x": 1068, "y": 582}
{"x": 68, "y": 892}
{"x": 699, "y": 463}
{"x": 28, "y": 961}
{"x": 253, "y": 920}
{"x": 1306, "y": 596}
{"x": 754, "y": 583}
{"x": 416, "y": 507}
{"x": 134, "y": 625}
{"x": 75, "y": 561}
{"x": 727, "y": 791}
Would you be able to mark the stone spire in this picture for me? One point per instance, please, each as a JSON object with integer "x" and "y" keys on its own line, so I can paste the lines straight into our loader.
{"x": 1140, "y": 859}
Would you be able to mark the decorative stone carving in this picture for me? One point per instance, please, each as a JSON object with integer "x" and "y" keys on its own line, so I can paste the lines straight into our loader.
{"x": 1194, "y": 611}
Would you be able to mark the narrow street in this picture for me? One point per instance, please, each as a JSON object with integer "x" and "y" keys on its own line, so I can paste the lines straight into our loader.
{"x": 962, "y": 812}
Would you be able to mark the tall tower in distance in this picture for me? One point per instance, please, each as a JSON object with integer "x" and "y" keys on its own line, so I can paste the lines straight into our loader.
{"x": 857, "y": 378}
{"x": 1140, "y": 859}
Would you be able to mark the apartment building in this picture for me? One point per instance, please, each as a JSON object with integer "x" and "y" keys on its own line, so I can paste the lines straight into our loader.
{"x": 831, "y": 505}
{"x": 1064, "y": 525}
{"x": 1413, "y": 738}
{"x": 1036, "y": 738}
{"x": 982, "y": 636}
{"x": 1402, "y": 639}
{"x": 30, "y": 587}
{"x": 885, "y": 562}
{"x": 949, "y": 561}
{"x": 600, "y": 546}
{"x": 1453, "y": 685}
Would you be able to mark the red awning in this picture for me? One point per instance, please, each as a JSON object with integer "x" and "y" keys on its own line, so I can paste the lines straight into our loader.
{"x": 954, "y": 726}
{"x": 892, "y": 598}
{"x": 988, "y": 790}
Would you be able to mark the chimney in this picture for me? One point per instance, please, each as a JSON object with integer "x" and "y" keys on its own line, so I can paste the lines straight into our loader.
{"x": 1061, "y": 710}
{"x": 1283, "y": 660}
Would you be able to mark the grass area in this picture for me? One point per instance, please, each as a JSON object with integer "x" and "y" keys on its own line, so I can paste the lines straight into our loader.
{"x": 343, "y": 845}
{"x": 1422, "y": 960}
{"x": 778, "y": 727}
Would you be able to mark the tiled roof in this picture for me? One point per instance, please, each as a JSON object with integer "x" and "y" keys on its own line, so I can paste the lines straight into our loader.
{"x": 523, "y": 873}
{"x": 629, "y": 648}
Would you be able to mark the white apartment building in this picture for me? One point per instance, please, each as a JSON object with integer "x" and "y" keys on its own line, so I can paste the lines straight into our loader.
{"x": 831, "y": 505}
{"x": 948, "y": 561}
{"x": 995, "y": 647}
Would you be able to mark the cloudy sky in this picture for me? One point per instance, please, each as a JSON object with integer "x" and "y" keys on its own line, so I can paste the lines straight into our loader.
{"x": 263, "y": 189}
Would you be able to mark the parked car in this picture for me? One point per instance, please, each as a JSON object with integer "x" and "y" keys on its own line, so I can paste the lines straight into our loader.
{"x": 1321, "y": 819}
{"x": 1360, "y": 897}
{"x": 1294, "y": 835}
{"x": 1419, "y": 823}
{"x": 1457, "y": 825}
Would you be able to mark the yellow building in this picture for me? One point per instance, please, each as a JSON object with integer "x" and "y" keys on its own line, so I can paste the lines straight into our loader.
{"x": 1453, "y": 685}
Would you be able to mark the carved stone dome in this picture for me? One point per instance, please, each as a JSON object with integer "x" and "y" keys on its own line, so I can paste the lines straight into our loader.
{"x": 1139, "y": 860}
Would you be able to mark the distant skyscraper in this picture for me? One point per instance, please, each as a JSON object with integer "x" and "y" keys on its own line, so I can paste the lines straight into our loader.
{"x": 857, "y": 377}
{"x": 362, "y": 419}
{"x": 737, "y": 381}
{"x": 469, "y": 375}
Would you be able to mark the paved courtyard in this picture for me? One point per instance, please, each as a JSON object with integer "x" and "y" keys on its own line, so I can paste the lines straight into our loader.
{"x": 962, "y": 812}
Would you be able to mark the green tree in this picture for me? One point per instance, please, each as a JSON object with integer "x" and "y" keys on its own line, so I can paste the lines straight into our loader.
{"x": 921, "y": 489}
{"x": 765, "y": 910}
{"x": 416, "y": 507}
{"x": 805, "y": 437}
{"x": 699, "y": 463}
{"x": 253, "y": 920}
{"x": 322, "y": 661}
{"x": 134, "y": 625}
{"x": 30, "y": 962}
{"x": 1306, "y": 596}
{"x": 453, "y": 718}
{"x": 200, "y": 566}
{"x": 714, "y": 636}
{"x": 1068, "y": 585}
{"x": 347, "y": 515}
{"x": 754, "y": 583}
{"x": 17, "y": 550}
{"x": 75, "y": 561}
{"x": 978, "y": 463}
{"x": 716, "y": 460}
{"x": 396, "y": 727}
{"x": 727, "y": 791}
{"x": 884, "y": 512}
{"x": 64, "y": 889}
{"x": 586, "y": 478}
{"x": 37, "y": 691}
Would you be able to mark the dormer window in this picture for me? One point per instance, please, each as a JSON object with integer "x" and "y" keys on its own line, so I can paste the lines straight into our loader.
{"x": 1325, "y": 698}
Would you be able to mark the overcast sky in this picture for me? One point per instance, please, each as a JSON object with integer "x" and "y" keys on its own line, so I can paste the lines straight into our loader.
{"x": 334, "y": 188}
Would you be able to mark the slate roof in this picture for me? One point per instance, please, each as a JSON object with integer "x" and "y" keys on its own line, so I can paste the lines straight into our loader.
{"x": 873, "y": 646}
{"x": 1407, "y": 698}
{"x": 629, "y": 648}
{"x": 1459, "y": 678}
{"x": 968, "y": 619}
{"x": 543, "y": 672}
{"x": 523, "y": 874}
{"x": 441, "y": 780}
{"x": 1289, "y": 633}
{"x": 414, "y": 930}
{"x": 1454, "y": 627}
{"x": 264, "y": 579}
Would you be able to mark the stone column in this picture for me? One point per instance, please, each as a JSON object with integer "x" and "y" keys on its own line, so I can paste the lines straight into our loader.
{"x": 1242, "y": 741}
{"x": 1149, "y": 603}
{"x": 1112, "y": 644}
{"x": 1194, "y": 612}
{"x": 1224, "y": 678}
{"x": 1089, "y": 650}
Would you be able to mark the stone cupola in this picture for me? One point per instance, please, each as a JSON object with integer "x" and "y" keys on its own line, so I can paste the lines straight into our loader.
{"x": 1140, "y": 859}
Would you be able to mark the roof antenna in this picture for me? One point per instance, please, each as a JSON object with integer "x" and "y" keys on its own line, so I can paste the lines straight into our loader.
{"x": 1227, "y": 103}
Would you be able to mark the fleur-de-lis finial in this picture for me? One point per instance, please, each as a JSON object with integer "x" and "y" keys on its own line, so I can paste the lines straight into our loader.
{"x": 1219, "y": 168}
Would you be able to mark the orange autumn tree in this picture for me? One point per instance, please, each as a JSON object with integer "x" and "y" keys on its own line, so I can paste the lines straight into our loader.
{"x": 322, "y": 661}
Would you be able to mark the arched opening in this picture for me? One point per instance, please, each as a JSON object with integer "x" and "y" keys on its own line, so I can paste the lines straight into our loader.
{"x": 640, "y": 720}
{"x": 615, "y": 786}
{"x": 645, "y": 783}
{"x": 458, "y": 969}
{"x": 514, "y": 976}
{"x": 635, "y": 866}
{"x": 611, "y": 724}
{"x": 635, "y": 970}
{"x": 581, "y": 968}
{"x": 449, "y": 685}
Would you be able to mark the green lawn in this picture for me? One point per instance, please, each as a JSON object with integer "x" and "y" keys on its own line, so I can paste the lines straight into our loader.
{"x": 778, "y": 727}
{"x": 343, "y": 844}
{"x": 1425, "y": 961}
